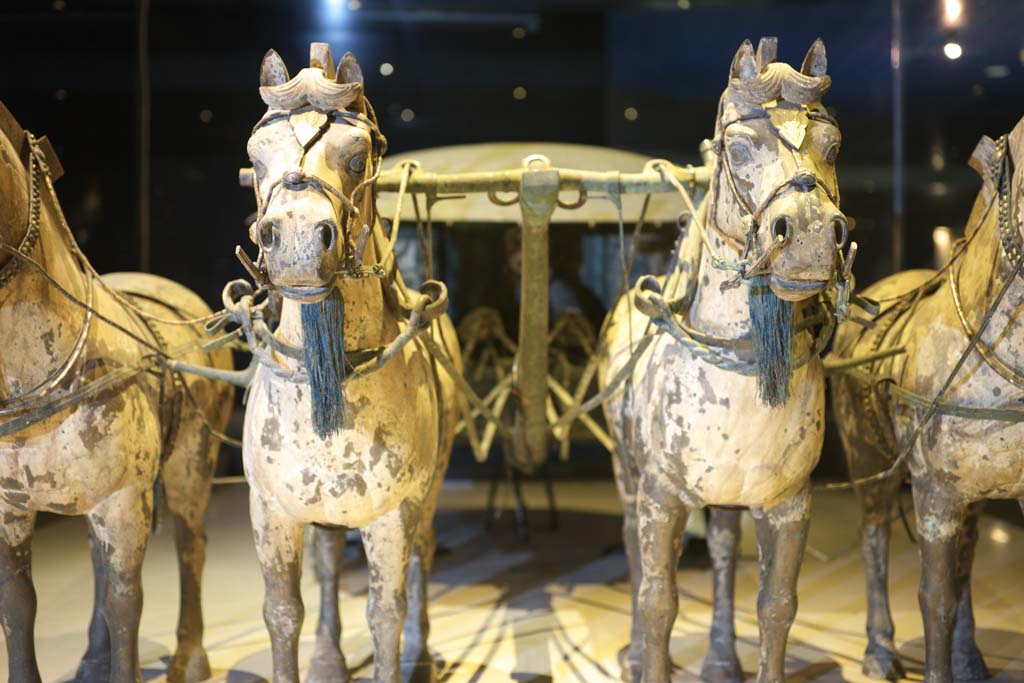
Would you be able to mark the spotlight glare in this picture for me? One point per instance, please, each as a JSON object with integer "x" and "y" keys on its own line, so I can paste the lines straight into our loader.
{"x": 952, "y": 11}
{"x": 631, "y": 114}
{"x": 386, "y": 69}
{"x": 408, "y": 115}
{"x": 519, "y": 92}
{"x": 952, "y": 50}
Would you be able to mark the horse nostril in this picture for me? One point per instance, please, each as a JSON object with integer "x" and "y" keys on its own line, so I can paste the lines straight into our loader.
{"x": 841, "y": 230}
{"x": 268, "y": 236}
{"x": 780, "y": 227}
{"x": 327, "y": 234}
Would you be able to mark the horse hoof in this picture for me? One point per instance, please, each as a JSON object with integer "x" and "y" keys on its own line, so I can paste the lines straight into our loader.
{"x": 631, "y": 669}
{"x": 327, "y": 667}
{"x": 969, "y": 665}
{"x": 721, "y": 668}
{"x": 93, "y": 670}
{"x": 881, "y": 663}
{"x": 421, "y": 670}
{"x": 190, "y": 665}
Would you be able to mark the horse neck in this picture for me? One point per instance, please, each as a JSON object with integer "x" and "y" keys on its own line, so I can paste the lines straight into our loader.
{"x": 981, "y": 273}
{"x": 719, "y": 307}
{"x": 40, "y": 325}
{"x": 55, "y": 254}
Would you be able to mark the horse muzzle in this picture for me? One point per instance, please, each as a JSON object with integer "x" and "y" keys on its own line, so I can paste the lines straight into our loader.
{"x": 795, "y": 290}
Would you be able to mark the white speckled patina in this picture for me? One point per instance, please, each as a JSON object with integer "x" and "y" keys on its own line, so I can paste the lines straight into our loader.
{"x": 957, "y": 462}
{"x": 98, "y": 458}
{"x": 690, "y": 434}
{"x": 382, "y": 470}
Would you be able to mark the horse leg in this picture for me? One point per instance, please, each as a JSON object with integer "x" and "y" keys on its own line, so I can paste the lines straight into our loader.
{"x": 17, "y": 594}
{"x": 415, "y": 651}
{"x": 939, "y": 519}
{"x": 877, "y": 502}
{"x": 95, "y": 664}
{"x": 630, "y": 657}
{"x": 417, "y": 662}
{"x": 388, "y": 541}
{"x": 968, "y": 663}
{"x": 781, "y": 538}
{"x": 187, "y": 482}
{"x": 661, "y": 518}
{"x": 121, "y": 525}
{"x": 279, "y": 540}
{"x": 721, "y": 665}
{"x": 328, "y": 663}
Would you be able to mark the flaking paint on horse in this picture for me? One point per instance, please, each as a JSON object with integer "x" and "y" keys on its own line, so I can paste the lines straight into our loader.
{"x": 957, "y": 462}
{"x": 689, "y": 433}
{"x": 373, "y": 456}
{"x": 99, "y": 457}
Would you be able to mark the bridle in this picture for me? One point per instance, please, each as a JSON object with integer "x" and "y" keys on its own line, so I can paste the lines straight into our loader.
{"x": 803, "y": 179}
{"x": 1010, "y": 244}
{"x": 358, "y": 205}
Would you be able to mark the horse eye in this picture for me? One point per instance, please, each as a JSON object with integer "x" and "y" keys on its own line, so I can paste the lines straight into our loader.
{"x": 739, "y": 153}
{"x": 832, "y": 153}
{"x": 357, "y": 164}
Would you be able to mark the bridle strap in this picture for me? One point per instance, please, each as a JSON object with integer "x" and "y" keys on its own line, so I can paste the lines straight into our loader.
{"x": 802, "y": 178}
{"x": 299, "y": 180}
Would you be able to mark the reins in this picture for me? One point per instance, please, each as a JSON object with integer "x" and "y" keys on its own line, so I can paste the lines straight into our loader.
{"x": 1010, "y": 245}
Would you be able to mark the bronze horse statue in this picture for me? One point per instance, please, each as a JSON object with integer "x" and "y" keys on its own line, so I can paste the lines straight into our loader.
{"x": 742, "y": 426}
{"x": 325, "y": 444}
{"x": 964, "y": 342}
{"x": 90, "y": 414}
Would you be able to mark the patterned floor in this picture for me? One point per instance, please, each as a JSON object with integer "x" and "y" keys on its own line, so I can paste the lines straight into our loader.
{"x": 555, "y": 609}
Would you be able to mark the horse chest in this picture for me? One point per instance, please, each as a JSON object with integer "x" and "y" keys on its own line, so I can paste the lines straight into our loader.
{"x": 707, "y": 435}
{"x": 385, "y": 453}
{"x": 70, "y": 462}
{"x": 979, "y": 458}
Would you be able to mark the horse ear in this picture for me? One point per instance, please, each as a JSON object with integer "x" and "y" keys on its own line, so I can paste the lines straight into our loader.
{"x": 744, "y": 64}
{"x": 349, "y": 70}
{"x": 320, "y": 58}
{"x": 767, "y": 51}
{"x": 982, "y": 157}
{"x": 272, "y": 69}
{"x": 815, "y": 63}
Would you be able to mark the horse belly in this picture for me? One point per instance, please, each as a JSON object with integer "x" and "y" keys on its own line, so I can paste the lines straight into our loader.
{"x": 68, "y": 464}
{"x": 718, "y": 444}
{"x": 380, "y": 458}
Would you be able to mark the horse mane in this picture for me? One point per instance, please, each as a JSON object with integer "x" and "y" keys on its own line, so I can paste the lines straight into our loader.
{"x": 779, "y": 81}
{"x": 311, "y": 86}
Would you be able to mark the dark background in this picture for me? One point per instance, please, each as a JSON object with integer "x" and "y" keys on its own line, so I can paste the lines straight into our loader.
{"x": 72, "y": 72}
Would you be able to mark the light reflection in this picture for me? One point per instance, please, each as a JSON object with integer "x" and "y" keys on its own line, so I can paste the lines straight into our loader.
{"x": 952, "y": 12}
{"x": 942, "y": 240}
{"x": 952, "y": 50}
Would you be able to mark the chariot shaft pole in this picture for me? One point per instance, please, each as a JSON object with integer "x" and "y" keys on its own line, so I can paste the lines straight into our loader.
{"x": 538, "y": 196}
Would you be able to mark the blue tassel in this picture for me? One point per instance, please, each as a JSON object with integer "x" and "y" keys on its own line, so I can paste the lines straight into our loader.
{"x": 771, "y": 331}
{"x": 323, "y": 327}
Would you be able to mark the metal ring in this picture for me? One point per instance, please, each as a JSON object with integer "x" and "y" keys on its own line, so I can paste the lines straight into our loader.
{"x": 529, "y": 161}
{"x": 580, "y": 200}
{"x": 495, "y": 199}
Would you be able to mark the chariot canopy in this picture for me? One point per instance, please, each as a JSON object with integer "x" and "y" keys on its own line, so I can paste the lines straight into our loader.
{"x": 497, "y": 157}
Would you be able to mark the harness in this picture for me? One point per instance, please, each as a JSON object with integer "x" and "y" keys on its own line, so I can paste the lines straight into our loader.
{"x": 879, "y": 403}
{"x": 803, "y": 179}
{"x": 45, "y": 399}
{"x": 297, "y": 179}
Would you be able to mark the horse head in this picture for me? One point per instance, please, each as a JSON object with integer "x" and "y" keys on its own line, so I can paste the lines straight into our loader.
{"x": 315, "y": 154}
{"x": 777, "y": 148}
